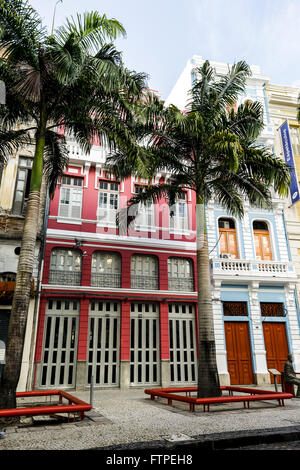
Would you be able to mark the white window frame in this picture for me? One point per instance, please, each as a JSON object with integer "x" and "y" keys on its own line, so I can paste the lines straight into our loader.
{"x": 295, "y": 139}
{"x": 70, "y": 199}
{"x": 179, "y": 223}
{"x": 144, "y": 272}
{"x": 108, "y": 265}
{"x": 145, "y": 219}
{"x": 65, "y": 263}
{"x": 108, "y": 203}
{"x": 180, "y": 269}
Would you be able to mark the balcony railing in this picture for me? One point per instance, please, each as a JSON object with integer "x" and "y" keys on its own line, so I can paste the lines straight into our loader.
{"x": 66, "y": 278}
{"x": 144, "y": 282}
{"x": 252, "y": 268}
{"x": 106, "y": 280}
{"x": 97, "y": 154}
{"x": 180, "y": 284}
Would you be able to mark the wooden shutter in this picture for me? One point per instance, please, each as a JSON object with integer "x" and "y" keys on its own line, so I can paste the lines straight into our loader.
{"x": 262, "y": 243}
{"x": 228, "y": 242}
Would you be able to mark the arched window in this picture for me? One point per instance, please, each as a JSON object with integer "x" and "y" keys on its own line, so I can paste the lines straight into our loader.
{"x": 144, "y": 272}
{"x": 65, "y": 267}
{"x": 106, "y": 269}
{"x": 180, "y": 274}
{"x": 262, "y": 241}
{"x": 228, "y": 240}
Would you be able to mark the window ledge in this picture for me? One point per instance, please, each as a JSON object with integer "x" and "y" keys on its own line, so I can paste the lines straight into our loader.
{"x": 69, "y": 221}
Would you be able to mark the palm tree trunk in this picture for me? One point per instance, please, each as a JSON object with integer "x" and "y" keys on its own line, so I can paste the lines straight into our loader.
{"x": 208, "y": 378}
{"x": 21, "y": 298}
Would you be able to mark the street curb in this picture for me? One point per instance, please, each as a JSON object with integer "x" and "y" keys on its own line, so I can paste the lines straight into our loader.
{"x": 217, "y": 441}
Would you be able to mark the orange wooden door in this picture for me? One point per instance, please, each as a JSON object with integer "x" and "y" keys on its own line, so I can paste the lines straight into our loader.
{"x": 228, "y": 243}
{"x": 238, "y": 353}
{"x": 276, "y": 346}
{"x": 262, "y": 245}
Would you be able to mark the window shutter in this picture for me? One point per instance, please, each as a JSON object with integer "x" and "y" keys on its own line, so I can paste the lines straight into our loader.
{"x": 76, "y": 200}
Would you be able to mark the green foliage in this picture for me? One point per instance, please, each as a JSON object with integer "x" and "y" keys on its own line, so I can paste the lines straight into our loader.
{"x": 74, "y": 77}
{"x": 209, "y": 148}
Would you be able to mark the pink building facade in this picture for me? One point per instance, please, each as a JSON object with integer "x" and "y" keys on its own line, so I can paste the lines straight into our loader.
{"x": 115, "y": 308}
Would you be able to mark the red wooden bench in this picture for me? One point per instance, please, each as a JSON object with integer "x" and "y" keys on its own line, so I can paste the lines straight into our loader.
{"x": 253, "y": 394}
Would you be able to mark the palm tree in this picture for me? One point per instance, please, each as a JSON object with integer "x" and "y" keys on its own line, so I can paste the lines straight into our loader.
{"x": 212, "y": 150}
{"x": 73, "y": 78}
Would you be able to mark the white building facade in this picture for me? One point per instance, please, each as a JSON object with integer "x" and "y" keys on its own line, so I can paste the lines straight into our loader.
{"x": 256, "y": 316}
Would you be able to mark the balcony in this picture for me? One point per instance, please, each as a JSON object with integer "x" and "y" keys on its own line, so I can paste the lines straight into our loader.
{"x": 97, "y": 154}
{"x": 65, "y": 278}
{"x": 144, "y": 282}
{"x": 259, "y": 270}
{"x": 181, "y": 284}
{"x": 106, "y": 280}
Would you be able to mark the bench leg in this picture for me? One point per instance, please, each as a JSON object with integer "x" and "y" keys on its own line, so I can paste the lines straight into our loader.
{"x": 152, "y": 397}
{"x": 169, "y": 401}
{"x": 192, "y": 406}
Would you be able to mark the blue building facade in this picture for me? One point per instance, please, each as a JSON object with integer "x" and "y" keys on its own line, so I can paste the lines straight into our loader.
{"x": 256, "y": 317}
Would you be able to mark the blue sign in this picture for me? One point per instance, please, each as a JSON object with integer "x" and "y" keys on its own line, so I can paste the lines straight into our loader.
{"x": 288, "y": 155}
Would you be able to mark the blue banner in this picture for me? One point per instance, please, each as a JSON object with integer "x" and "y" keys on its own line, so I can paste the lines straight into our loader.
{"x": 288, "y": 155}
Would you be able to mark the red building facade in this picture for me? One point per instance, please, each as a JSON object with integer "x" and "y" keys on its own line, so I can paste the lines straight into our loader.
{"x": 115, "y": 308}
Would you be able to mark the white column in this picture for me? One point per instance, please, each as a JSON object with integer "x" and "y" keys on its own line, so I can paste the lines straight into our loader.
{"x": 220, "y": 334}
{"x": 293, "y": 324}
{"x": 261, "y": 372}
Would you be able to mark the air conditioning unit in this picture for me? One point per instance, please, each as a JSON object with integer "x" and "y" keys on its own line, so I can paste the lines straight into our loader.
{"x": 224, "y": 224}
{"x": 226, "y": 255}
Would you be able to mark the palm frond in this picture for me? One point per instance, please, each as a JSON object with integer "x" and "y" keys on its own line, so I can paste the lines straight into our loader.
{"x": 56, "y": 158}
{"x": 90, "y": 30}
{"x": 11, "y": 141}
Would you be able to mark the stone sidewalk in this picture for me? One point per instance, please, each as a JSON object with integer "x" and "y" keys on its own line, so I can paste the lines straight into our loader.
{"x": 129, "y": 419}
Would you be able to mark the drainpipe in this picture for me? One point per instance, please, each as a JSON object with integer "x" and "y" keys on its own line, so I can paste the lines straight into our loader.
{"x": 30, "y": 383}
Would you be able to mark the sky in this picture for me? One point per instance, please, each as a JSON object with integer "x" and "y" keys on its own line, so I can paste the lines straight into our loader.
{"x": 162, "y": 35}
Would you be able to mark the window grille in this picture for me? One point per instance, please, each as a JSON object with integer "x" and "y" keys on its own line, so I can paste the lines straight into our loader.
{"x": 144, "y": 272}
{"x": 65, "y": 267}
{"x": 106, "y": 269}
{"x": 180, "y": 274}
{"x": 235, "y": 309}
{"x": 272, "y": 309}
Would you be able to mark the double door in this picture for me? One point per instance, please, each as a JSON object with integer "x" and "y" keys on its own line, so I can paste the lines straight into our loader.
{"x": 238, "y": 349}
{"x": 144, "y": 344}
{"x": 276, "y": 346}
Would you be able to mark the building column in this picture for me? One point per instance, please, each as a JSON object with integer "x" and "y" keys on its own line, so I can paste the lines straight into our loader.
{"x": 125, "y": 346}
{"x": 81, "y": 372}
{"x": 224, "y": 376}
{"x": 293, "y": 324}
{"x": 260, "y": 368}
{"x": 164, "y": 345}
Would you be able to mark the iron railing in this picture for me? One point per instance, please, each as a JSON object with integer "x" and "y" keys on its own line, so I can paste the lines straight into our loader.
{"x": 144, "y": 282}
{"x": 106, "y": 280}
{"x": 69, "y": 278}
{"x": 181, "y": 284}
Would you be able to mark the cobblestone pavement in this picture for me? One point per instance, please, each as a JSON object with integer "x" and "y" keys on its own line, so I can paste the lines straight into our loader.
{"x": 124, "y": 417}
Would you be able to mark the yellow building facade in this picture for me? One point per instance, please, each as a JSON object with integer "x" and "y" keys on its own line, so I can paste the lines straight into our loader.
{"x": 283, "y": 106}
